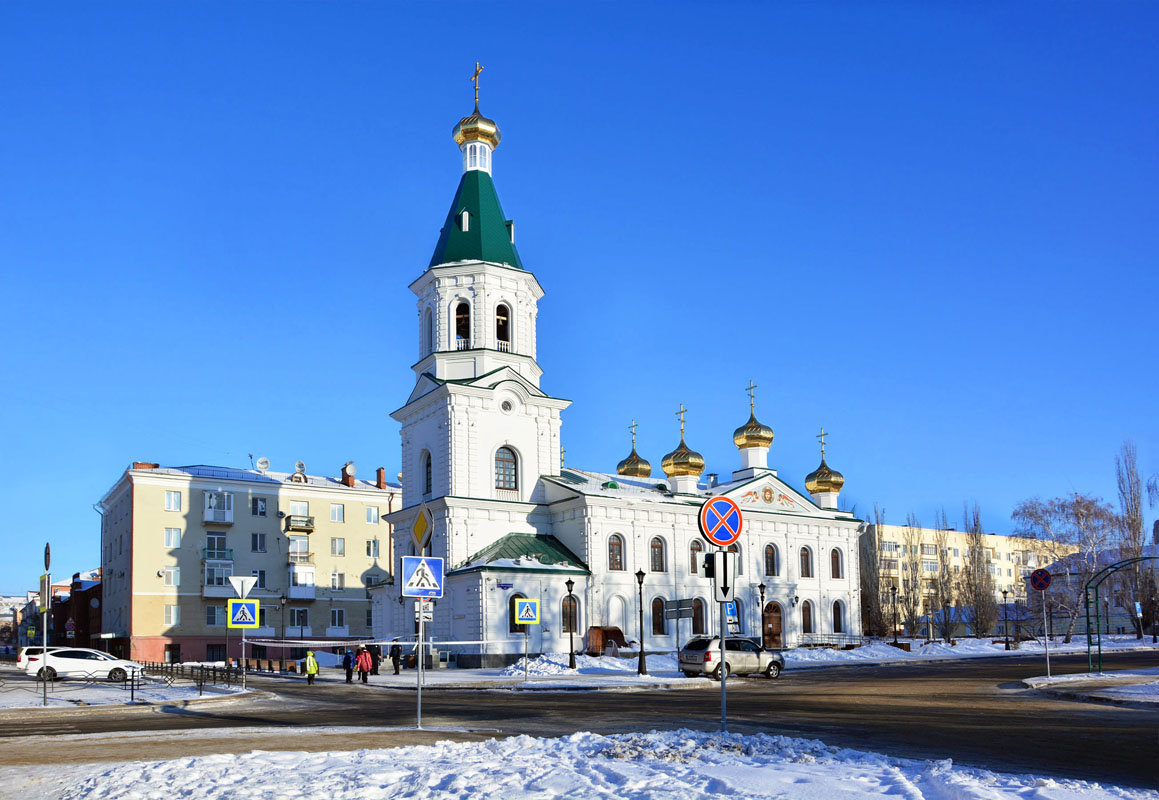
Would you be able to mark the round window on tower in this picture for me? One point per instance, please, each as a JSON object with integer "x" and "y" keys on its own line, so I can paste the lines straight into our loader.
{"x": 506, "y": 406}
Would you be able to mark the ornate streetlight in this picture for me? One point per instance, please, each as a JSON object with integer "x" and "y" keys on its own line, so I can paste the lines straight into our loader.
{"x": 761, "y": 612}
{"x": 1005, "y": 621}
{"x": 893, "y": 594}
{"x": 571, "y": 623}
{"x": 642, "y": 666}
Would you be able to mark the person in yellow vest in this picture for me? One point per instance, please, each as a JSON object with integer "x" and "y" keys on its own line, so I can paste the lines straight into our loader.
{"x": 311, "y": 667}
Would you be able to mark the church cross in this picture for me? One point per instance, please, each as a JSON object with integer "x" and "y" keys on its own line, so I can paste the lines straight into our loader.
{"x": 752, "y": 395}
{"x": 475, "y": 80}
{"x": 562, "y": 454}
{"x": 681, "y": 414}
{"x": 822, "y": 436}
{"x": 632, "y": 428}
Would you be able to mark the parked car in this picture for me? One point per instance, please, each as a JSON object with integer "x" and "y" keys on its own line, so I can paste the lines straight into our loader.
{"x": 701, "y": 656}
{"x": 25, "y": 652}
{"x": 80, "y": 662}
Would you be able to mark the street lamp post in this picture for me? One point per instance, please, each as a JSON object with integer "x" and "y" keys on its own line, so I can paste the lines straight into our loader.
{"x": 761, "y": 614}
{"x": 642, "y": 666}
{"x": 282, "y": 660}
{"x": 571, "y": 623}
{"x": 893, "y": 595}
{"x": 1005, "y": 621}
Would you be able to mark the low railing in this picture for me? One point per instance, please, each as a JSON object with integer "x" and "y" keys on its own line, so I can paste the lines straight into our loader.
{"x": 462, "y": 343}
{"x": 299, "y": 522}
{"x": 217, "y": 554}
{"x": 201, "y": 674}
{"x": 300, "y": 558}
{"x": 502, "y": 346}
{"x": 843, "y": 640}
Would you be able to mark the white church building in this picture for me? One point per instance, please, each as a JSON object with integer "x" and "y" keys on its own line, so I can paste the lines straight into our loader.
{"x": 481, "y": 460}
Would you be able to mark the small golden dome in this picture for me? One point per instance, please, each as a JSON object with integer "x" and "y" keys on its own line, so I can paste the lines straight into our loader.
{"x": 476, "y": 127}
{"x": 753, "y": 434}
{"x": 633, "y": 466}
{"x": 682, "y": 461}
{"x": 823, "y": 479}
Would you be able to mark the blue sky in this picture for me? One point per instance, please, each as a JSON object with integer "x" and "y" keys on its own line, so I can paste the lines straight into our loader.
{"x": 928, "y": 227}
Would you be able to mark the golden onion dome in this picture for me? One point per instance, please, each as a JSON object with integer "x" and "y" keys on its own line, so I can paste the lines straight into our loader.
{"x": 477, "y": 128}
{"x": 753, "y": 434}
{"x": 682, "y": 461}
{"x": 823, "y": 479}
{"x": 634, "y": 466}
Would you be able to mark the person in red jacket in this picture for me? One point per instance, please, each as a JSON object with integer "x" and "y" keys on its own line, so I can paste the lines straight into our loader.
{"x": 364, "y": 663}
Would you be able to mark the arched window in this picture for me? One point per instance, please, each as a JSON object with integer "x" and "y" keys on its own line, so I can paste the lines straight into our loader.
{"x": 616, "y": 552}
{"x": 503, "y": 328}
{"x": 513, "y": 625}
{"x": 698, "y": 626}
{"x": 483, "y": 157}
{"x": 695, "y": 550}
{"x": 659, "y": 624}
{"x": 506, "y": 469}
{"x": 838, "y": 616}
{"x": 735, "y": 548}
{"x": 771, "y": 565}
{"x": 463, "y": 326}
{"x": 835, "y": 563}
{"x": 474, "y": 155}
{"x": 427, "y": 482}
{"x": 806, "y": 563}
{"x": 569, "y": 613}
{"x": 806, "y": 617}
{"x": 656, "y": 553}
{"x": 428, "y": 333}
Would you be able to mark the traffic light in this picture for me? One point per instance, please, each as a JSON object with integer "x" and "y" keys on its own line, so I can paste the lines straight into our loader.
{"x": 709, "y": 566}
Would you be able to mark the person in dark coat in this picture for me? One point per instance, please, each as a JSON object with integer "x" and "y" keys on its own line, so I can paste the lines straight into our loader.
{"x": 375, "y": 658}
{"x": 348, "y": 665}
{"x": 395, "y": 655}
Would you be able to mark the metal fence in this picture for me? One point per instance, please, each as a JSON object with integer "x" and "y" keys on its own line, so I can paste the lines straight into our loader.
{"x": 201, "y": 674}
{"x": 839, "y": 640}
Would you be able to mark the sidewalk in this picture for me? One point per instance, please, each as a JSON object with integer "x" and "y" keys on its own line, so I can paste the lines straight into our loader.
{"x": 1135, "y": 688}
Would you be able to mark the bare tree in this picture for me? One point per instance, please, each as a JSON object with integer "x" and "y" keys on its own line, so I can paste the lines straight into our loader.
{"x": 870, "y": 555}
{"x": 943, "y": 582}
{"x": 976, "y": 584}
{"x": 1130, "y": 525}
{"x": 910, "y": 596}
{"x": 1075, "y": 531}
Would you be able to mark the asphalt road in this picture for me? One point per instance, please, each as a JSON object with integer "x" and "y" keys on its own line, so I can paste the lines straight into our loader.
{"x": 974, "y": 712}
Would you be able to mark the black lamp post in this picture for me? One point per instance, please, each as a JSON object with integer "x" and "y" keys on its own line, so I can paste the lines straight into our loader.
{"x": 1154, "y": 621}
{"x": 761, "y": 613}
{"x": 642, "y": 666}
{"x": 571, "y": 623}
{"x": 893, "y": 594}
{"x": 282, "y": 660}
{"x": 1005, "y": 621}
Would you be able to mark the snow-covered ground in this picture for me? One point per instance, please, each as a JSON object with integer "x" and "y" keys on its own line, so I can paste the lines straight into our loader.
{"x": 641, "y": 766}
{"x": 965, "y": 648}
{"x": 15, "y": 692}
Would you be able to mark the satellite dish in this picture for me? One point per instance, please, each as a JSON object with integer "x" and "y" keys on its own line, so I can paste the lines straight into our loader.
{"x": 348, "y": 469}
{"x": 299, "y": 466}
{"x": 263, "y": 463}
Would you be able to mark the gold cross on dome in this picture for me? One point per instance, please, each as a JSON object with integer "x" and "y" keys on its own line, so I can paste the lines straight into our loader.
{"x": 475, "y": 80}
{"x": 681, "y": 414}
{"x": 632, "y": 428}
{"x": 822, "y": 436}
{"x": 752, "y": 395}
{"x": 562, "y": 454}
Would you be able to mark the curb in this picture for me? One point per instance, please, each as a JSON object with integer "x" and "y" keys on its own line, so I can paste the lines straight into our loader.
{"x": 107, "y": 708}
{"x": 1084, "y": 697}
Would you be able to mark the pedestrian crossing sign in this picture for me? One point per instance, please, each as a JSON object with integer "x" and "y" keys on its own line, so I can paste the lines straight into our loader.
{"x": 526, "y": 611}
{"x": 422, "y": 576}
{"x": 243, "y": 614}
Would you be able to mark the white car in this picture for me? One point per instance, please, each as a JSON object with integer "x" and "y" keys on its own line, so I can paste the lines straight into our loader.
{"x": 26, "y": 652}
{"x": 80, "y": 662}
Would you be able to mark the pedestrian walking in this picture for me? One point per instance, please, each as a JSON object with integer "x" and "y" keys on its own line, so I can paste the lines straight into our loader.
{"x": 363, "y": 663}
{"x": 375, "y": 658}
{"x": 311, "y": 667}
{"x": 348, "y": 665}
{"x": 395, "y": 655}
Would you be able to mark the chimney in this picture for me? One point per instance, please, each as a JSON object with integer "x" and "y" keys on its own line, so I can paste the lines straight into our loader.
{"x": 145, "y": 465}
{"x": 381, "y": 481}
{"x": 346, "y": 474}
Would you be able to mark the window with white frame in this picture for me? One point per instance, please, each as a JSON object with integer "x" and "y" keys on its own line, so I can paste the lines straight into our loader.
{"x": 372, "y": 515}
{"x": 302, "y": 577}
{"x": 218, "y": 574}
{"x": 337, "y": 580}
{"x": 337, "y": 512}
{"x": 172, "y": 576}
{"x": 172, "y": 615}
{"x": 172, "y": 501}
{"x": 337, "y": 618}
{"x": 215, "y": 615}
{"x": 260, "y": 574}
{"x": 929, "y": 549}
{"x": 929, "y": 566}
{"x": 258, "y": 506}
{"x": 299, "y": 617}
{"x": 172, "y": 537}
{"x": 337, "y": 546}
{"x": 299, "y": 508}
{"x": 258, "y": 542}
{"x": 372, "y": 548}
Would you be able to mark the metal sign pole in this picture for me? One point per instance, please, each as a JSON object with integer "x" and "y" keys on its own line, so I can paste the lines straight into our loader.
{"x": 526, "y": 637}
{"x": 723, "y": 676}
{"x": 1046, "y": 633}
{"x": 419, "y": 671}
{"x": 44, "y": 656}
{"x": 243, "y": 659}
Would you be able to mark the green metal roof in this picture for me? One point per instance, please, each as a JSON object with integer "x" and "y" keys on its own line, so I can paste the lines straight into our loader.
{"x": 487, "y": 237}
{"x": 541, "y": 549}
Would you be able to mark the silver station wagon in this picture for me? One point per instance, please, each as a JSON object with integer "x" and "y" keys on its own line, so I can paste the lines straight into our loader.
{"x": 701, "y": 656}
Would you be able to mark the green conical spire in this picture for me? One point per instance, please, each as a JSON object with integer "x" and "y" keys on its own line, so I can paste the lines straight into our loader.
{"x": 488, "y": 234}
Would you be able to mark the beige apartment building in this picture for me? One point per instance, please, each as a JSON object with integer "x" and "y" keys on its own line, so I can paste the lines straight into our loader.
{"x": 172, "y": 536}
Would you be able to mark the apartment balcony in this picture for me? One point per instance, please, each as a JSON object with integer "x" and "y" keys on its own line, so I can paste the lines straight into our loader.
{"x": 295, "y": 522}
{"x": 217, "y": 516}
{"x": 301, "y": 592}
{"x": 211, "y": 590}
{"x": 300, "y": 558}
{"x": 216, "y": 554}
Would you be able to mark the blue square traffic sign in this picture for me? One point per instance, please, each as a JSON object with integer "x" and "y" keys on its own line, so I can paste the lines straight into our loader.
{"x": 422, "y": 576}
